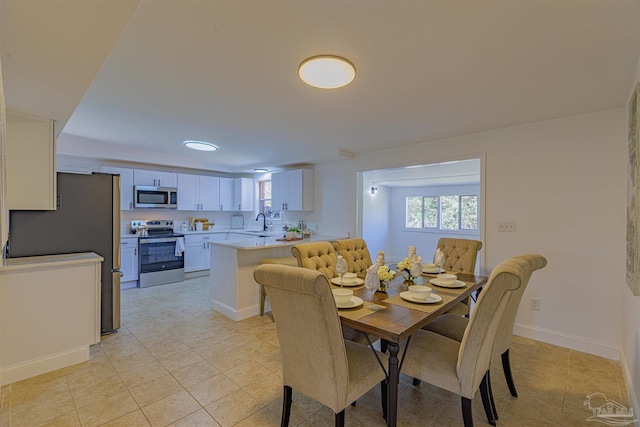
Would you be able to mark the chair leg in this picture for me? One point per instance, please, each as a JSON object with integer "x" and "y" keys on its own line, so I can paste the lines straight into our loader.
{"x": 416, "y": 382}
{"x": 286, "y": 406}
{"x": 506, "y": 367}
{"x": 340, "y": 419}
{"x": 467, "y": 416}
{"x": 383, "y": 393}
{"x": 493, "y": 403}
{"x": 262, "y": 297}
{"x": 353, "y": 403}
{"x": 486, "y": 402}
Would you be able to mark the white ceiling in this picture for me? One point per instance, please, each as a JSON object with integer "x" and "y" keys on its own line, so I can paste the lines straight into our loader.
{"x": 132, "y": 79}
{"x": 458, "y": 172}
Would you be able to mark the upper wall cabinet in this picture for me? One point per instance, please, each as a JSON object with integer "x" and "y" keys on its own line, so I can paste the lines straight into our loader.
{"x": 243, "y": 194}
{"x": 198, "y": 193}
{"x": 126, "y": 185}
{"x": 31, "y": 162}
{"x": 155, "y": 178}
{"x": 226, "y": 194}
{"x": 293, "y": 190}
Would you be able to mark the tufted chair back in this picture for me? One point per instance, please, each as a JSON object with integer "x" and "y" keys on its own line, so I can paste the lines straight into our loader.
{"x": 505, "y": 332}
{"x": 320, "y": 256}
{"x": 356, "y": 253}
{"x": 316, "y": 361}
{"x": 460, "y": 254}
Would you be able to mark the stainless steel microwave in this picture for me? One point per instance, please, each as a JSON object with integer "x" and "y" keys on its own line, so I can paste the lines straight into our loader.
{"x": 155, "y": 197}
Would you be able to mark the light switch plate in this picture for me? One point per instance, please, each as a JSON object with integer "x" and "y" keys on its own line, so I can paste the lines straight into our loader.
{"x": 507, "y": 227}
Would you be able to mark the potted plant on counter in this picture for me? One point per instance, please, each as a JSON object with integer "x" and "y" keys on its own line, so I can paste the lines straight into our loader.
{"x": 293, "y": 233}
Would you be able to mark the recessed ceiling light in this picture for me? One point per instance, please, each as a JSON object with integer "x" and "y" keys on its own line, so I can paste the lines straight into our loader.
{"x": 201, "y": 145}
{"x": 327, "y": 71}
{"x": 261, "y": 170}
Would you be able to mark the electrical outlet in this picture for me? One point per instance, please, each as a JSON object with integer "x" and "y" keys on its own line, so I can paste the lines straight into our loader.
{"x": 535, "y": 304}
{"x": 507, "y": 227}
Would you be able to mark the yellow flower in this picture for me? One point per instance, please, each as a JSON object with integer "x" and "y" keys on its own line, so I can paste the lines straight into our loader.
{"x": 405, "y": 264}
{"x": 384, "y": 273}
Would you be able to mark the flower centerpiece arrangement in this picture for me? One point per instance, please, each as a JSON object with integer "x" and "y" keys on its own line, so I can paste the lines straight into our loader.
{"x": 384, "y": 275}
{"x": 404, "y": 267}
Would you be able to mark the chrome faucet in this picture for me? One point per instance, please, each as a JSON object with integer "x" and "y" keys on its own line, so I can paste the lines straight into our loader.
{"x": 264, "y": 221}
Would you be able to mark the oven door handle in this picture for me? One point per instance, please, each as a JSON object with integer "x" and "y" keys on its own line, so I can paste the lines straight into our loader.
{"x": 166, "y": 240}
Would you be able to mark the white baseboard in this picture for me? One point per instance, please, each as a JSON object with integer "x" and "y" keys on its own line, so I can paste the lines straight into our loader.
{"x": 633, "y": 398}
{"x": 568, "y": 341}
{"x": 234, "y": 314}
{"x": 194, "y": 274}
{"x": 32, "y": 368}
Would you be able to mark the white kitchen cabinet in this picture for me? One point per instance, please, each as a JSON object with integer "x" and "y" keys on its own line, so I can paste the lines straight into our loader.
{"x": 155, "y": 178}
{"x": 293, "y": 190}
{"x": 243, "y": 194}
{"x": 126, "y": 185}
{"x": 209, "y": 193}
{"x": 31, "y": 162}
{"x": 197, "y": 253}
{"x": 50, "y": 309}
{"x": 226, "y": 194}
{"x": 129, "y": 262}
{"x": 198, "y": 193}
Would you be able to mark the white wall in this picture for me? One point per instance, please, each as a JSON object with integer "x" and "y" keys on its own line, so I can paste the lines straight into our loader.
{"x": 376, "y": 213}
{"x": 631, "y": 322}
{"x": 425, "y": 241}
{"x": 563, "y": 182}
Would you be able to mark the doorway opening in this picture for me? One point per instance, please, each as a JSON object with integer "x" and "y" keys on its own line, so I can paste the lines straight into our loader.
{"x": 418, "y": 204}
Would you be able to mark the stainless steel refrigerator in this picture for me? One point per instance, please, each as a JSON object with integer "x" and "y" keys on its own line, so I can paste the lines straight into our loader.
{"x": 87, "y": 219}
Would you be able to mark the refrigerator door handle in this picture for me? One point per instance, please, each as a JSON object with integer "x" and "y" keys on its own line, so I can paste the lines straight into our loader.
{"x": 116, "y": 299}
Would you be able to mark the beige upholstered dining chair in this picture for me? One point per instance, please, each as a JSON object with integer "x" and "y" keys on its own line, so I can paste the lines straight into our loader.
{"x": 462, "y": 367}
{"x": 287, "y": 260}
{"x": 454, "y": 327}
{"x": 356, "y": 253}
{"x": 322, "y": 257}
{"x": 460, "y": 256}
{"x": 316, "y": 360}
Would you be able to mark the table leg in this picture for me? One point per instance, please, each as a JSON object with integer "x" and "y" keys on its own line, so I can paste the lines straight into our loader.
{"x": 392, "y": 384}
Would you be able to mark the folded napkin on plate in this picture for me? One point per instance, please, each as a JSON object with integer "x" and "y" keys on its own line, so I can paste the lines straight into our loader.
{"x": 371, "y": 279}
{"x": 416, "y": 266}
{"x": 438, "y": 259}
{"x": 341, "y": 265}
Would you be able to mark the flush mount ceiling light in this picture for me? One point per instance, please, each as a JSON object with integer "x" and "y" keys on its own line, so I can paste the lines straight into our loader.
{"x": 201, "y": 145}
{"x": 327, "y": 71}
{"x": 261, "y": 170}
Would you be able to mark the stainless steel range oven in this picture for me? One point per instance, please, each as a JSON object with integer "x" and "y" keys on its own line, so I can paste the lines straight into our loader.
{"x": 160, "y": 254}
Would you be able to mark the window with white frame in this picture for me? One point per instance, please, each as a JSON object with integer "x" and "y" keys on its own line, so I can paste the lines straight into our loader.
{"x": 452, "y": 212}
{"x": 264, "y": 199}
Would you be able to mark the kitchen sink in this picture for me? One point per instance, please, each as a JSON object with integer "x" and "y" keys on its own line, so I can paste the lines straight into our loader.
{"x": 258, "y": 233}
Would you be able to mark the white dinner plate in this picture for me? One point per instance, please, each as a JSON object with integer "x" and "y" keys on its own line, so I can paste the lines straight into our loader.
{"x": 456, "y": 284}
{"x": 436, "y": 271}
{"x": 336, "y": 281}
{"x": 433, "y": 298}
{"x": 355, "y": 302}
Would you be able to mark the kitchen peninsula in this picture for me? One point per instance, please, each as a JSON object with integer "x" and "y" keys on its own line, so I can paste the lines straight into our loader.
{"x": 234, "y": 293}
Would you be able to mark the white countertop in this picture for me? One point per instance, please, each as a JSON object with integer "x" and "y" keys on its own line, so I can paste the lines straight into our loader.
{"x": 245, "y": 231}
{"x": 49, "y": 260}
{"x": 252, "y": 243}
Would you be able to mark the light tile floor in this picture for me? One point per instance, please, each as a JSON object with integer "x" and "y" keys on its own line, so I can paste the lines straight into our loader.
{"x": 175, "y": 362}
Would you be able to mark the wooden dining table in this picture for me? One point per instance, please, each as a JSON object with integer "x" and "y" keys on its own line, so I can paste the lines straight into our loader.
{"x": 398, "y": 319}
